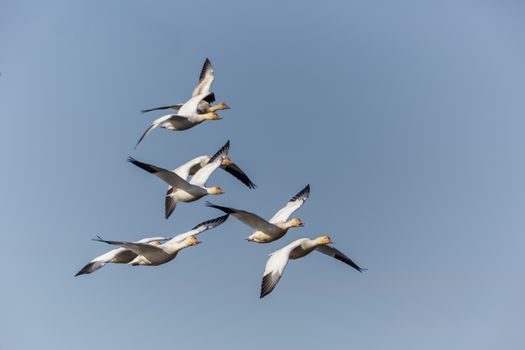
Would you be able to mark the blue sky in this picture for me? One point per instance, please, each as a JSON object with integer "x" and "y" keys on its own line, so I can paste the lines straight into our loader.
{"x": 405, "y": 117}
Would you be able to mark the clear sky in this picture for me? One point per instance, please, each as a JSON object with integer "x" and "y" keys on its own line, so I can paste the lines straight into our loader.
{"x": 406, "y": 117}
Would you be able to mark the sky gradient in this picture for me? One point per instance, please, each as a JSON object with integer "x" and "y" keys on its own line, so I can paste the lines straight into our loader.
{"x": 406, "y": 118}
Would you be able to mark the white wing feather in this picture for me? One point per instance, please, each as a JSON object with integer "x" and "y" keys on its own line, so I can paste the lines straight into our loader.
{"x": 189, "y": 109}
{"x": 206, "y": 79}
{"x": 293, "y": 204}
{"x": 203, "y": 226}
{"x": 275, "y": 266}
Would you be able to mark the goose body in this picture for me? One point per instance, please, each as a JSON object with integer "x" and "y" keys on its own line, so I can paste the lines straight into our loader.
{"x": 206, "y": 78}
{"x": 116, "y": 256}
{"x": 265, "y": 231}
{"x": 153, "y": 255}
{"x": 181, "y": 190}
{"x": 187, "y": 117}
{"x": 298, "y": 249}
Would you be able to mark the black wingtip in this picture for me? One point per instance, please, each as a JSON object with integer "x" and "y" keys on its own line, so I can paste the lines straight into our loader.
{"x": 217, "y": 221}
{"x": 86, "y": 269}
{"x": 207, "y": 65}
{"x": 222, "y": 151}
{"x": 268, "y": 284}
{"x": 224, "y": 209}
{"x": 304, "y": 194}
{"x": 141, "y": 165}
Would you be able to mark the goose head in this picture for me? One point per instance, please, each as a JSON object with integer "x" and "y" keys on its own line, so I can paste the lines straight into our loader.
{"x": 191, "y": 241}
{"x": 215, "y": 190}
{"x": 211, "y": 116}
{"x": 324, "y": 240}
{"x": 295, "y": 223}
{"x": 219, "y": 107}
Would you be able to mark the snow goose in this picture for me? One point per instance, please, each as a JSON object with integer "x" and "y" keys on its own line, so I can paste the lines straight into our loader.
{"x": 277, "y": 226}
{"x": 187, "y": 117}
{"x": 151, "y": 255}
{"x": 295, "y": 250}
{"x": 206, "y": 79}
{"x": 117, "y": 256}
{"x": 180, "y": 189}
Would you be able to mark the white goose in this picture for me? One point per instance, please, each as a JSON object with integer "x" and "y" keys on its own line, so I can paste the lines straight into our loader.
{"x": 269, "y": 231}
{"x": 117, "y": 256}
{"x": 151, "y": 255}
{"x": 295, "y": 250}
{"x": 183, "y": 191}
{"x": 206, "y": 79}
{"x": 187, "y": 117}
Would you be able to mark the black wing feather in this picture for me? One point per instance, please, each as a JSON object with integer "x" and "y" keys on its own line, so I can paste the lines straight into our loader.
{"x": 240, "y": 175}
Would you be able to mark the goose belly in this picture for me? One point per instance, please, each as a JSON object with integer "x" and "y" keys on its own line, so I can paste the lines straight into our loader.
{"x": 153, "y": 259}
{"x": 183, "y": 196}
{"x": 178, "y": 124}
{"x": 265, "y": 237}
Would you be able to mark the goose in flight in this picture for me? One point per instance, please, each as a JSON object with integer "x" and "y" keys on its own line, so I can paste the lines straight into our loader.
{"x": 187, "y": 117}
{"x": 277, "y": 226}
{"x": 117, "y": 256}
{"x": 206, "y": 79}
{"x": 153, "y": 255}
{"x": 295, "y": 250}
{"x": 191, "y": 167}
{"x": 180, "y": 189}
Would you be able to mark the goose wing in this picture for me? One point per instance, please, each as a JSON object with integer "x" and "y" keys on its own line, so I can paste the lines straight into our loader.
{"x": 250, "y": 219}
{"x": 334, "y": 253}
{"x": 206, "y": 79}
{"x": 167, "y": 176}
{"x": 138, "y": 248}
{"x": 275, "y": 267}
{"x": 293, "y": 204}
{"x": 234, "y": 170}
{"x": 153, "y": 126}
{"x": 203, "y": 226}
{"x": 190, "y": 107}
{"x": 176, "y": 107}
{"x": 191, "y": 167}
{"x": 98, "y": 262}
{"x": 169, "y": 203}
{"x": 202, "y": 175}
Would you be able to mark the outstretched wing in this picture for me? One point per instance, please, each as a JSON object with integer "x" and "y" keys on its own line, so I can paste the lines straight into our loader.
{"x": 334, "y": 253}
{"x": 153, "y": 126}
{"x": 169, "y": 203}
{"x": 176, "y": 107}
{"x": 234, "y": 170}
{"x": 203, "y": 174}
{"x": 136, "y": 247}
{"x": 203, "y": 226}
{"x": 250, "y": 219}
{"x": 205, "y": 79}
{"x": 191, "y": 167}
{"x": 165, "y": 175}
{"x": 98, "y": 262}
{"x": 275, "y": 267}
{"x": 190, "y": 108}
{"x": 293, "y": 204}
